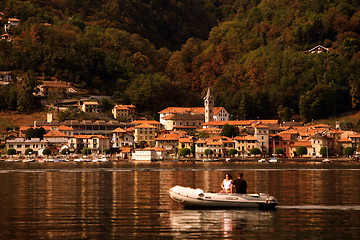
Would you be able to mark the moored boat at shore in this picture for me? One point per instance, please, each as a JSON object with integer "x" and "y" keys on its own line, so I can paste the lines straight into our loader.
{"x": 198, "y": 198}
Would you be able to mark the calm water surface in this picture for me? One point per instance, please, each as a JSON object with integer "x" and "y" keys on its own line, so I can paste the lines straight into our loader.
{"x": 130, "y": 201}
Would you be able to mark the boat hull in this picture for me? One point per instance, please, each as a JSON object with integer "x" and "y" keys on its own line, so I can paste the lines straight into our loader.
{"x": 198, "y": 198}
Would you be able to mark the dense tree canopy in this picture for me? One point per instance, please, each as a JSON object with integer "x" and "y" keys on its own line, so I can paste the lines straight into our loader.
{"x": 159, "y": 53}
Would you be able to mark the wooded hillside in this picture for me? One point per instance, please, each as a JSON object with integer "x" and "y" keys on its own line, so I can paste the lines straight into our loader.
{"x": 156, "y": 54}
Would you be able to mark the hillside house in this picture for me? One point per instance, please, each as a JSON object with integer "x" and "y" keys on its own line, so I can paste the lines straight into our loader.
{"x": 12, "y": 22}
{"x": 89, "y": 106}
{"x": 123, "y": 111}
{"x": 6, "y": 77}
{"x": 319, "y": 49}
{"x": 48, "y": 87}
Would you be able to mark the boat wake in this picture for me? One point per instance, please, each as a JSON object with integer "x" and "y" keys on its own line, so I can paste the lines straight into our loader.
{"x": 323, "y": 207}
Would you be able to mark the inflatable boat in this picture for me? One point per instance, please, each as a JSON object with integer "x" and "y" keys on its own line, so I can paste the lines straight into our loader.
{"x": 198, "y": 198}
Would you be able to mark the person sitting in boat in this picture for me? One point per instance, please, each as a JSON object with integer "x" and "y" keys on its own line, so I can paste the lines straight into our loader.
{"x": 226, "y": 184}
{"x": 240, "y": 184}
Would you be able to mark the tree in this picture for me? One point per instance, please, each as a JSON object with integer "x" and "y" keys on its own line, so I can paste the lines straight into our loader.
{"x": 47, "y": 151}
{"x": 11, "y": 151}
{"x": 29, "y": 151}
{"x": 323, "y": 151}
{"x": 301, "y": 150}
{"x": 65, "y": 151}
{"x": 107, "y": 151}
{"x": 348, "y": 151}
{"x": 184, "y": 152}
{"x": 30, "y": 133}
{"x": 279, "y": 150}
{"x": 232, "y": 152}
{"x": 86, "y": 151}
{"x": 208, "y": 152}
{"x": 229, "y": 131}
{"x": 255, "y": 151}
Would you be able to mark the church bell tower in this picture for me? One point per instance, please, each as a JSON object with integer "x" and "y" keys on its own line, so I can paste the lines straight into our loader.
{"x": 209, "y": 106}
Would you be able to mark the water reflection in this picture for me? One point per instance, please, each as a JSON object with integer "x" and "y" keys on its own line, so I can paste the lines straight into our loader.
{"x": 124, "y": 201}
{"x": 219, "y": 223}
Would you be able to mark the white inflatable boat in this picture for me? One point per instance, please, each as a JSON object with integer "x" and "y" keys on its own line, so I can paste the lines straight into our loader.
{"x": 198, "y": 198}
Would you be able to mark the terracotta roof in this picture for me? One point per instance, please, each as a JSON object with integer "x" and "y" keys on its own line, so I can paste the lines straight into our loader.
{"x": 55, "y": 133}
{"x": 54, "y": 84}
{"x": 188, "y": 110}
{"x": 124, "y": 107}
{"x": 185, "y": 127}
{"x": 184, "y": 140}
{"x": 126, "y": 149}
{"x": 63, "y": 128}
{"x": 218, "y": 130}
{"x": 154, "y": 122}
{"x": 301, "y": 143}
{"x": 89, "y": 136}
{"x": 119, "y": 130}
{"x": 154, "y": 148}
{"x": 344, "y": 140}
{"x": 168, "y": 137}
{"x": 234, "y": 123}
{"x": 245, "y": 138}
{"x": 354, "y": 136}
{"x": 260, "y": 126}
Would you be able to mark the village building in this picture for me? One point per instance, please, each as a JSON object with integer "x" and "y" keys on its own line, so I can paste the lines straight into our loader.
{"x": 6, "y": 77}
{"x": 89, "y": 106}
{"x": 96, "y": 143}
{"x": 262, "y": 136}
{"x": 21, "y": 144}
{"x": 151, "y": 122}
{"x": 48, "y": 87}
{"x": 123, "y": 111}
{"x": 145, "y": 133}
{"x": 183, "y": 122}
{"x": 244, "y": 143}
{"x": 168, "y": 142}
{"x": 87, "y": 127}
{"x": 305, "y": 143}
{"x": 148, "y": 154}
{"x": 12, "y": 22}
{"x": 122, "y": 138}
{"x": 204, "y": 114}
{"x": 218, "y": 145}
{"x": 319, "y": 49}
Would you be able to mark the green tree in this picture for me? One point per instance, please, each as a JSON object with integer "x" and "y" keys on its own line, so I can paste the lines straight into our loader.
{"x": 323, "y": 151}
{"x": 86, "y": 151}
{"x": 301, "y": 150}
{"x": 208, "y": 152}
{"x": 229, "y": 131}
{"x": 348, "y": 151}
{"x": 11, "y": 151}
{"x": 65, "y": 151}
{"x": 184, "y": 152}
{"x": 255, "y": 151}
{"x": 29, "y": 151}
{"x": 47, "y": 151}
{"x": 232, "y": 151}
{"x": 279, "y": 150}
{"x": 30, "y": 133}
{"x": 107, "y": 151}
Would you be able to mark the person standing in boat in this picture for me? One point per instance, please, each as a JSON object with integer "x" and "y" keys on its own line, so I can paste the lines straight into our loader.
{"x": 240, "y": 184}
{"x": 227, "y": 184}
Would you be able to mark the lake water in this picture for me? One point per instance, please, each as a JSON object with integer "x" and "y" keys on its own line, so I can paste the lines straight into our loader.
{"x": 117, "y": 200}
